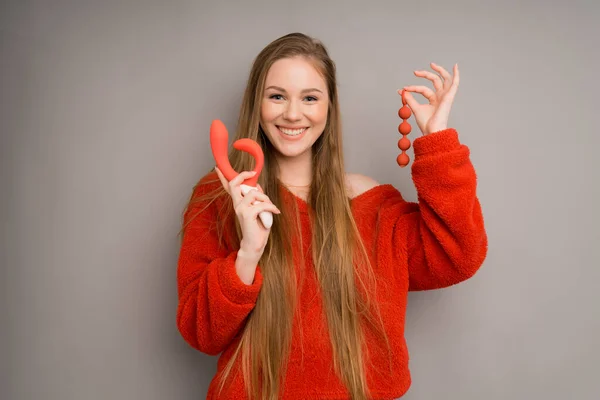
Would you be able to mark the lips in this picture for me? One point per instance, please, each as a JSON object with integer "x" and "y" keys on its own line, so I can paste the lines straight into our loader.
{"x": 292, "y": 131}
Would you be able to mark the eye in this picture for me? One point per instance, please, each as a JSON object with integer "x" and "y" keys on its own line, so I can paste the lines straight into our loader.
{"x": 311, "y": 98}
{"x": 276, "y": 97}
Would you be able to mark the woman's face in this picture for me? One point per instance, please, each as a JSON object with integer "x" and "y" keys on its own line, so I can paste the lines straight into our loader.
{"x": 294, "y": 107}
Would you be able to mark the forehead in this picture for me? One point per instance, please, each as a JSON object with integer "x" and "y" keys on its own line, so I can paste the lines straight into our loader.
{"x": 295, "y": 73}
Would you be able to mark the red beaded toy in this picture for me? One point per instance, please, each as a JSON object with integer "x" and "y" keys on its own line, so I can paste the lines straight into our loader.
{"x": 404, "y": 129}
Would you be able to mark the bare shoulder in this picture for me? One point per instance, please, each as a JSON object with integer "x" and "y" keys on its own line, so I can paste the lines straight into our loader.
{"x": 357, "y": 184}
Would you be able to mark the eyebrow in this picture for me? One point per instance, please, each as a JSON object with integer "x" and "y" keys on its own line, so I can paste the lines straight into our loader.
{"x": 304, "y": 91}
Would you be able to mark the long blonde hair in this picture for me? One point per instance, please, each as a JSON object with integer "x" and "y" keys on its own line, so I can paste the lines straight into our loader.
{"x": 341, "y": 262}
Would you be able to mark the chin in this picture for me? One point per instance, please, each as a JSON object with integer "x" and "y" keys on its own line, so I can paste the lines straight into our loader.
{"x": 287, "y": 151}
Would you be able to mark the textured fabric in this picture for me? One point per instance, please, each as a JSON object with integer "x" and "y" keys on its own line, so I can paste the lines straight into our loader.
{"x": 433, "y": 243}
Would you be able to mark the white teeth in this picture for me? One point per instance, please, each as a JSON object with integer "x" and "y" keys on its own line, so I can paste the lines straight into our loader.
{"x": 292, "y": 132}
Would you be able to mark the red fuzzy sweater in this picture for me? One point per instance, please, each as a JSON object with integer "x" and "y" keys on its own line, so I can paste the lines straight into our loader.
{"x": 434, "y": 243}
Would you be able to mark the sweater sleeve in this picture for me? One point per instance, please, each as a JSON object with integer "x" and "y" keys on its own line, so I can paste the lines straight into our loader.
{"x": 442, "y": 235}
{"x": 213, "y": 301}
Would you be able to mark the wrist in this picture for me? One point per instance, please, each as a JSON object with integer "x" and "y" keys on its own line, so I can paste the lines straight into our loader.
{"x": 248, "y": 257}
{"x": 245, "y": 266}
{"x": 435, "y": 129}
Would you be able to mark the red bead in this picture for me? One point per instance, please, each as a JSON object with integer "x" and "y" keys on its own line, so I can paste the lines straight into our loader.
{"x": 404, "y": 144}
{"x": 402, "y": 159}
{"x": 404, "y": 112}
{"x": 404, "y": 128}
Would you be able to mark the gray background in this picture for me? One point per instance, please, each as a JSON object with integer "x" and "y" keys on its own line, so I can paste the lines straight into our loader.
{"x": 104, "y": 119}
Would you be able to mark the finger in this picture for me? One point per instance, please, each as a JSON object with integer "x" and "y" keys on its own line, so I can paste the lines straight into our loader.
{"x": 251, "y": 213}
{"x": 456, "y": 79}
{"x": 445, "y": 74}
{"x": 261, "y": 207}
{"x": 253, "y": 199}
{"x": 448, "y": 98}
{"x": 222, "y": 179}
{"x": 410, "y": 100}
{"x": 424, "y": 90}
{"x": 260, "y": 189}
{"x": 253, "y": 196}
{"x": 434, "y": 78}
{"x": 238, "y": 180}
{"x": 234, "y": 185}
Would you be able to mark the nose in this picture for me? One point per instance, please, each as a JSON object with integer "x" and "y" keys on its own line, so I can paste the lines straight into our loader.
{"x": 292, "y": 111}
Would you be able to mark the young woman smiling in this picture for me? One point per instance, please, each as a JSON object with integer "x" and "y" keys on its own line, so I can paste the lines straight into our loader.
{"x": 314, "y": 307}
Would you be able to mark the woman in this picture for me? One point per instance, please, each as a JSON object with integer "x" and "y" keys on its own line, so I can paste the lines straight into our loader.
{"x": 314, "y": 307}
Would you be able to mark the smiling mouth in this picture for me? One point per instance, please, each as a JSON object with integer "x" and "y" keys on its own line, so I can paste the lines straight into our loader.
{"x": 292, "y": 132}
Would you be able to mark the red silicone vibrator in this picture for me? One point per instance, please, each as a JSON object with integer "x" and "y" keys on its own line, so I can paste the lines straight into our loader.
{"x": 219, "y": 143}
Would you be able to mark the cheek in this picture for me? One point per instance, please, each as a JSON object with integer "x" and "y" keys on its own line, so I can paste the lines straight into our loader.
{"x": 318, "y": 114}
{"x": 269, "y": 111}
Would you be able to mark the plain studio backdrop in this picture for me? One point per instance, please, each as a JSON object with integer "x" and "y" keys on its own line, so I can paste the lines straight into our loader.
{"x": 106, "y": 108}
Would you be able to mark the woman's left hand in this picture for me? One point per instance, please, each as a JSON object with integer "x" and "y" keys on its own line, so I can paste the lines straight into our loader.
{"x": 433, "y": 117}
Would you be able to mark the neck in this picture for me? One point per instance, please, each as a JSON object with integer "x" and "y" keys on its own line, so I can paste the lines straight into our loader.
{"x": 296, "y": 171}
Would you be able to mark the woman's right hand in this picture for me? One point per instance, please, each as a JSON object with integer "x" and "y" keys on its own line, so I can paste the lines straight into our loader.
{"x": 247, "y": 208}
